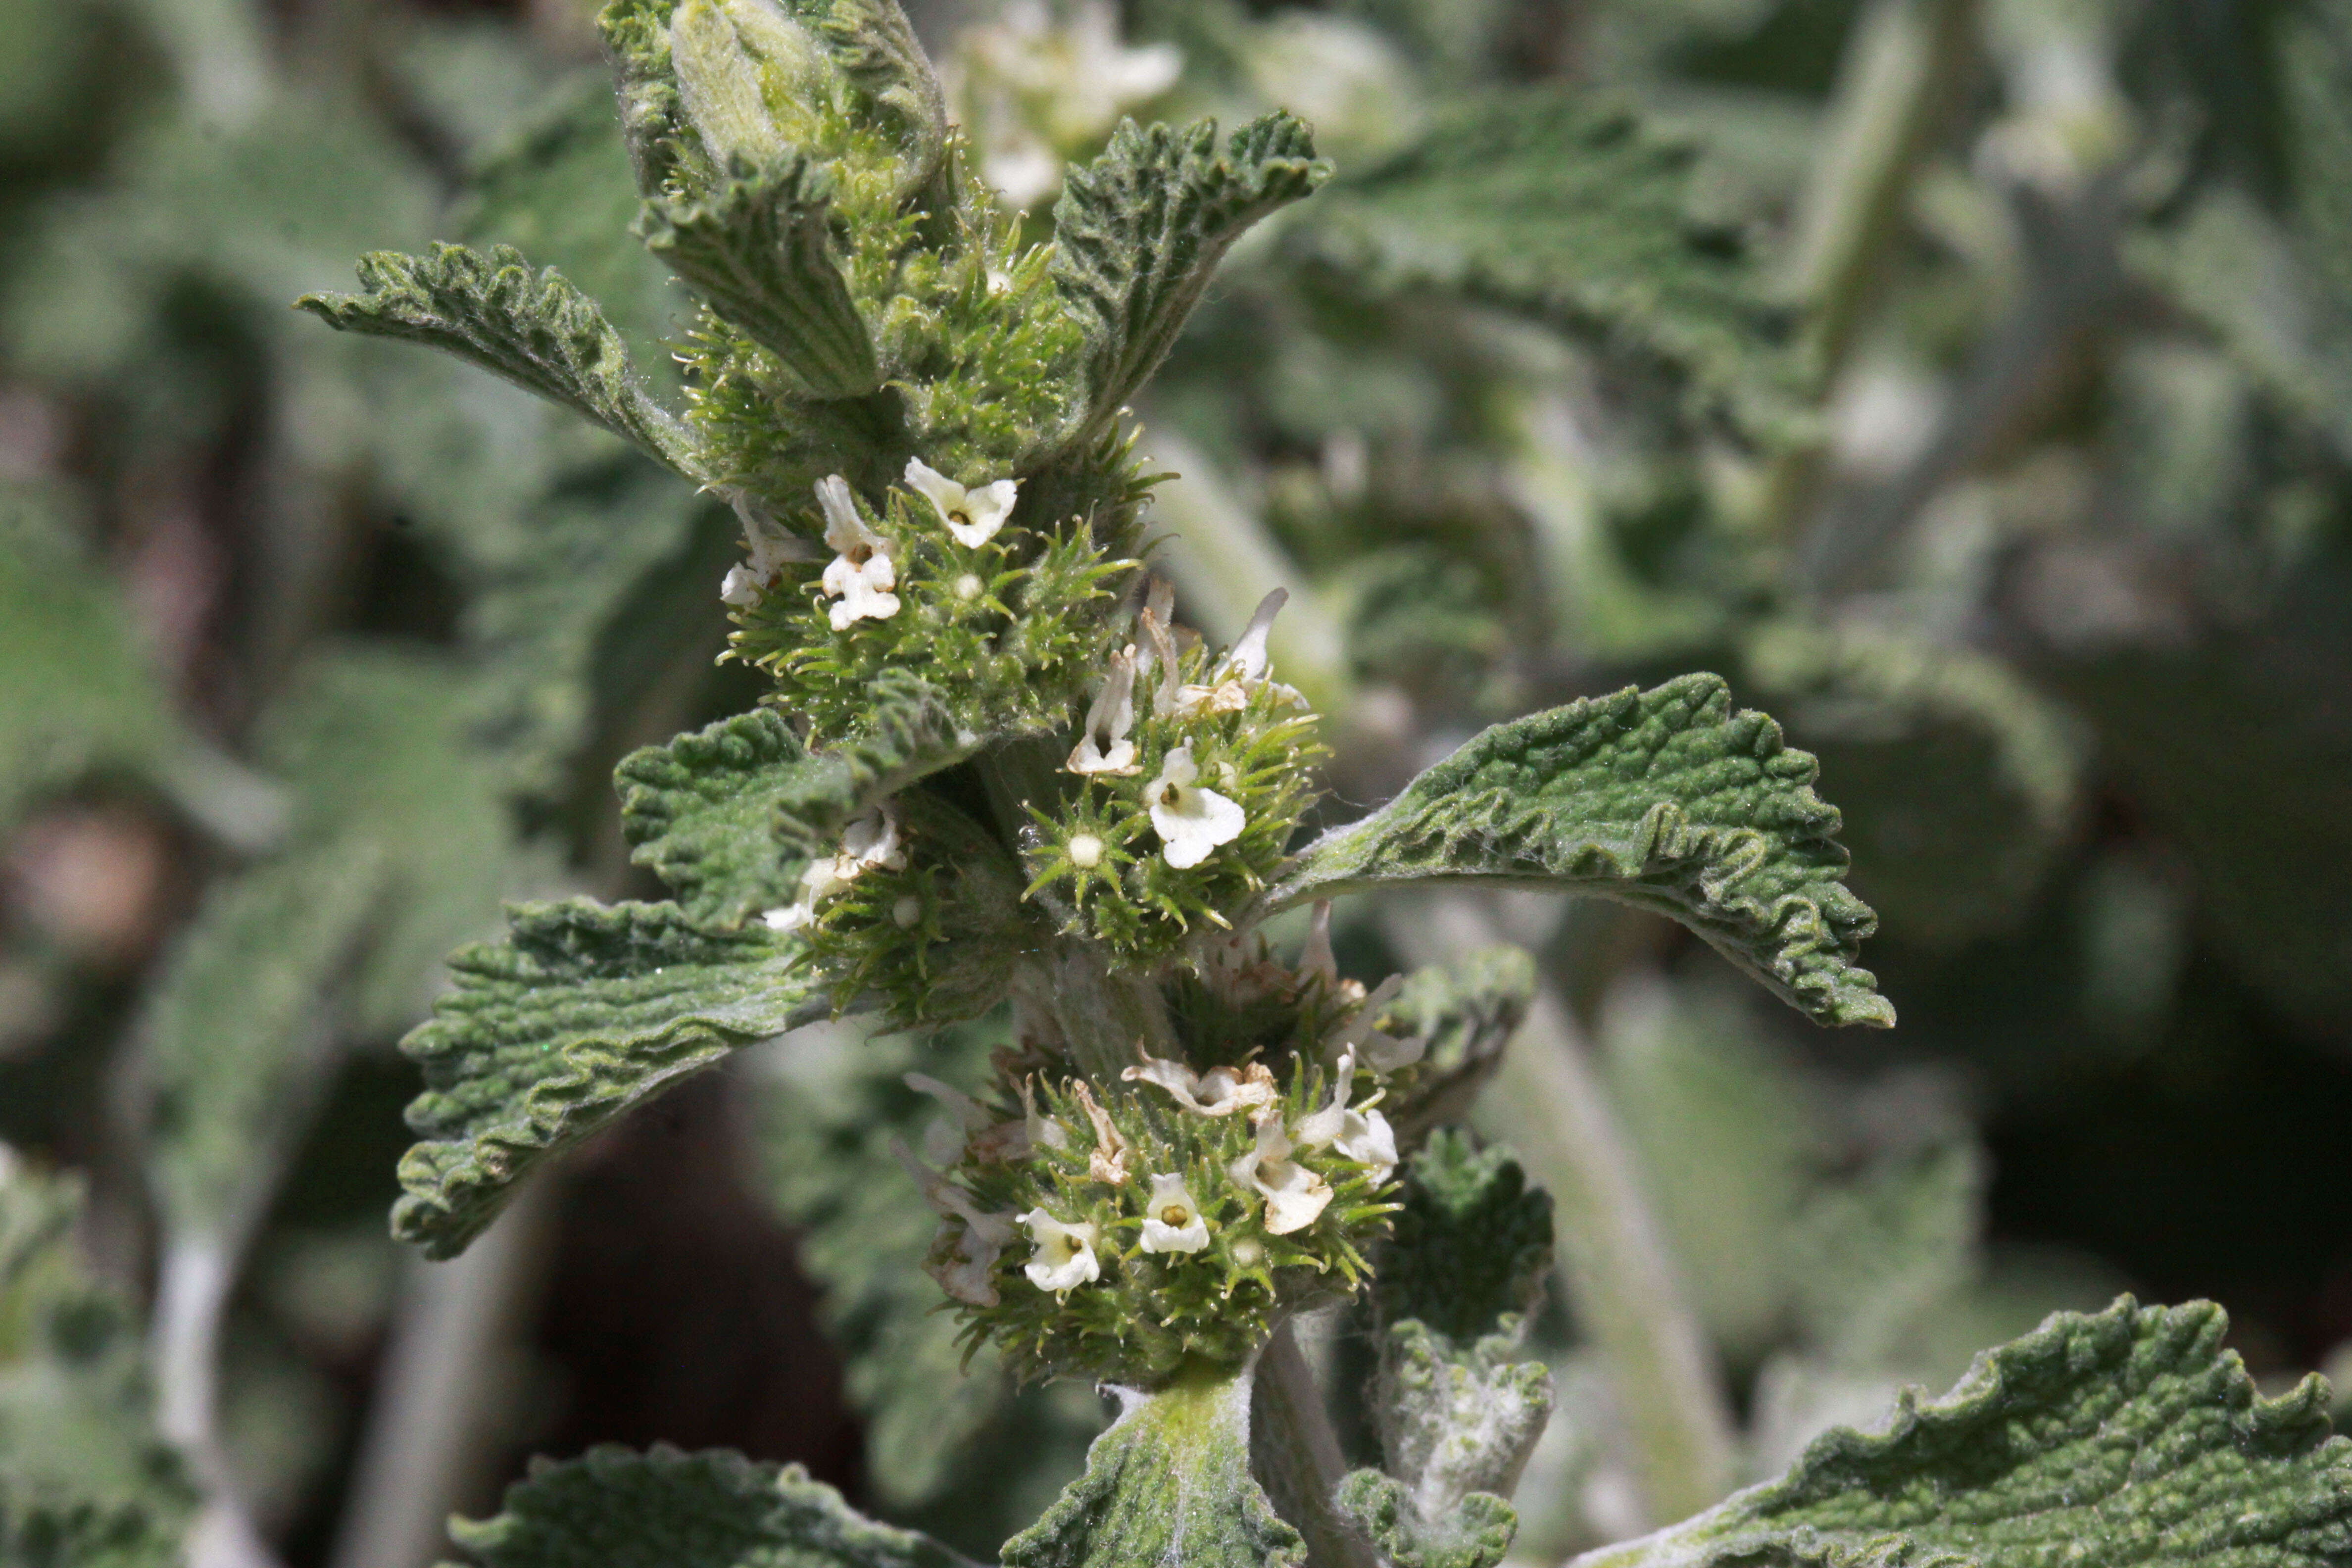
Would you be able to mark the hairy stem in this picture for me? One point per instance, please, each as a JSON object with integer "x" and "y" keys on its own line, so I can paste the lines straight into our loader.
{"x": 1296, "y": 1455}
{"x": 1903, "y": 68}
{"x": 1613, "y": 1262}
{"x": 440, "y": 1393}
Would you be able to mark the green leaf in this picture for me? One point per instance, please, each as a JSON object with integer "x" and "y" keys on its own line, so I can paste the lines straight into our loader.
{"x": 1138, "y": 231}
{"x": 1458, "y": 1412}
{"x": 582, "y": 1012}
{"x": 1471, "y": 1241}
{"x": 1476, "y": 1533}
{"x": 559, "y": 189}
{"x": 1955, "y": 780}
{"x": 1465, "y": 1010}
{"x": 664, "y": 1509}
{"x": 2130, "y": 1437}
{"x": 704, "y": 811}
{"x": 84, "y": 1478}
{"x": 1667, "y": 800}
{"x": 379, "y": 749}
{"x": 759, "y": 248}
{"x": 1553, "y": 201}
{"x": 1169, "y": 1483}
{"x": 729, "y": 815}
{"x": 534, "y": 329}
{"x": 76, "y": 695}
{"x": 241, "y": 1022}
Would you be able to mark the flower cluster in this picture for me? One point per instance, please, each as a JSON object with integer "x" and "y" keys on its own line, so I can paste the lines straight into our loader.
{"x": 939, "y": 580}
{"x": 1118, "y": 1231}
{"x": 1189, "y": 777}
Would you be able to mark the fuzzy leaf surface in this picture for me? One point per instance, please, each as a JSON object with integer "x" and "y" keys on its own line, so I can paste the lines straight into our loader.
{"x": 2126, "y": 1439}
{"x": 84, "y": 1478}
{"x": 1137, "y": 232}
{"x": 1666, "y": 799}
{"x": 533, "y": 328}
{"x": 729, "y": 815}
{"x": 1169, "y": 1482}
{"x": 1551, "y": 201}
{"x": 582, "y": 1012}
{"x": 758, "y": 249}
{"x": 664, "y": 1508}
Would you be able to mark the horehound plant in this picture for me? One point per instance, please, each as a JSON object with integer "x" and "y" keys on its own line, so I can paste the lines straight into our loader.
{"x": 996, "y": 771}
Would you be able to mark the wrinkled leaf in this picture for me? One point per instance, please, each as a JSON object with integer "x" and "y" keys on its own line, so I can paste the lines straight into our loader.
{"x": 1169, "y": 1482}
{"x": 1551, "y": 200}
{"x": 1472, "y": 1242}
{"x": 582, "y": 1012}
{"x": 1666, "y": 799}
{"x": 664, "y": 1509}
{"x": 2127, "y": 1437}
{"x": 1137, "y": 232}
{"x": 729, "y": 815}
{"x": 759, "y": 250}
{"x": 534, "y": 329}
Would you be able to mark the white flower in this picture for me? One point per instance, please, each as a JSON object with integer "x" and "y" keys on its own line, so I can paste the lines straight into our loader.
{"x": 1044, "y": 1131}
{"x": 983, "y": 1239}
{"x": 974, "y": 515}
{"x": 1293, "y": 1194}
{"x": 871, "y": 839}
{"x": 1317, "y": 964}
{"x": 769, "y": 548}
{"x": 1172, "y": 1220}
{"x": 1065, "y": 1258}
{"x": 1234, "y": 679}
{"x": 1381, "y": 1053}
{"x": 860, "y": 575}
{"x": 1190, "y": 821}
{"x": 1362, "y": 1135}
{"x": 1104, "y": 748}
{"x": 1220, "y": 1091}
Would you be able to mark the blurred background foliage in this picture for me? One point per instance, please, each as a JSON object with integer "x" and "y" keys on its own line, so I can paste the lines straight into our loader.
{"x": 1967, "y": 382}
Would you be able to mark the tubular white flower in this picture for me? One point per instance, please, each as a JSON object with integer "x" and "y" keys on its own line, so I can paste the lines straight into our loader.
{"x": 1065, "y": 1257}
{"x": 1247, "y": 659}
{"x": 1220, "y": 1091}
{"x": 1316, "y": 962}
{"x": 1104, "y": 748}
{"x": 769, "y": 548}
{"x": 1293, "y": 1194}
{"x": 1172, "y": 1220}
{"x": 860, "y": 575}
{"x": 1361, "y": 1134}
{"x": 1190, "y": 821}
{"x": 973, "y": 515}
{"x": 1044, "y": 1133}
{"x": 983, "y": 1238}
{"x": 871, "y": 839}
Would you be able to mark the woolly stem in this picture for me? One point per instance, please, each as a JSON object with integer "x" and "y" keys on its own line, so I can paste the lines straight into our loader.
{"x": 1297, "y": 1454}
